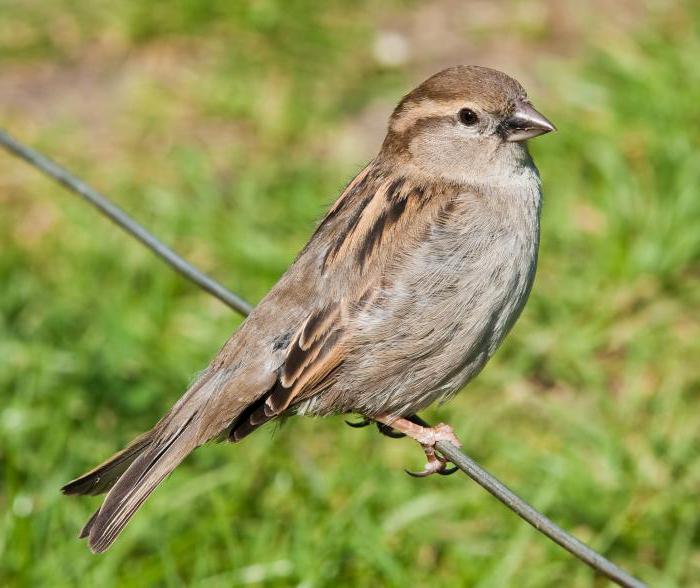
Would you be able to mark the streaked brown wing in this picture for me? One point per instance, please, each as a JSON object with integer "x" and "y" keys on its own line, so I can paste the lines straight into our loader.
{"x": 313, "y": 354}
{"x": 378, "y": 217}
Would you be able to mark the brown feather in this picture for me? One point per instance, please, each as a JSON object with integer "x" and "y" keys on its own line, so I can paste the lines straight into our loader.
{"x": 104, "y": 476}
{"x": 137, "y": 483}
{"x": 317, "y": 325}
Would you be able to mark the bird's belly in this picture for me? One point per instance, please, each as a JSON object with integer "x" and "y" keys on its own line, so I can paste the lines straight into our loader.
{"x": 438, "y": 328}
{"x": 481, "y": 318}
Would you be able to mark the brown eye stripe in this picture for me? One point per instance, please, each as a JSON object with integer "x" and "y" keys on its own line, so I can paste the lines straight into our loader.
{"x": 396, "y": 210}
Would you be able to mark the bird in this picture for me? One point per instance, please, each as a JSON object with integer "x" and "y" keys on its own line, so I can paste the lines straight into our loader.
{"x": 404, "y": 291}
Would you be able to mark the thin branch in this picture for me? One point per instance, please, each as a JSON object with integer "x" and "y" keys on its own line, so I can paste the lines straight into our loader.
{"x": 457, "y": 457}
{"x": 543, "y": 524}
{"x": 120, "y": 218}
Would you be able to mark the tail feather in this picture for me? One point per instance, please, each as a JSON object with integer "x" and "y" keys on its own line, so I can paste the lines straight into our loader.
{"x": 136, "y": 484}
{"x": 131, "y": 475}
{"x": 104, "y": 476}
{"x": 85, "y": 531}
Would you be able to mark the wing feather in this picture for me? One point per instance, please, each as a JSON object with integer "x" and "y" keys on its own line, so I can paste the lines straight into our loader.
{"x": 379, "y": 217}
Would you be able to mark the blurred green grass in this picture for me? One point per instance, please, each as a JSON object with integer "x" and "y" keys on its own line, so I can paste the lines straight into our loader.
{"x": 217, "y": 125}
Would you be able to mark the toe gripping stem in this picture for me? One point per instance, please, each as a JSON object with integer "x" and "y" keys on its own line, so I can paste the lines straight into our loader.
{"x": 436, "y": 464}
{"x": 381, "y": 427}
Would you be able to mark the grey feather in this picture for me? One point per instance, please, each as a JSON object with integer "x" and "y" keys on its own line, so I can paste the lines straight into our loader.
{"x": 104, "y": 476}
{"x": 137, "y": 483}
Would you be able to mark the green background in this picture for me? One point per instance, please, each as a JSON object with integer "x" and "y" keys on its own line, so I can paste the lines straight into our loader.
{"x": 227, "y": 128}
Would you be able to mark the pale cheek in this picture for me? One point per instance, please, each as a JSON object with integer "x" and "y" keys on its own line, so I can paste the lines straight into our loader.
{"x": 445, "y": 155}
{"x": 480, "y": 160}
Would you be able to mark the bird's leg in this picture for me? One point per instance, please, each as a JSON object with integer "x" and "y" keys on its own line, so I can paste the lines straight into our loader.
{"x": 427, "y": 436}
{"x": 422, "y": 433}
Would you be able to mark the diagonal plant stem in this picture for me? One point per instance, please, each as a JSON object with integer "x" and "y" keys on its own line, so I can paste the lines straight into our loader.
{"x": 120, "y": 218}
{"x": 491, "y": 484}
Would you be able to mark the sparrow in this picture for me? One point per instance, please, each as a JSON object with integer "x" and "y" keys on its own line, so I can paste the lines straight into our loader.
{"x": 403, "y": 293}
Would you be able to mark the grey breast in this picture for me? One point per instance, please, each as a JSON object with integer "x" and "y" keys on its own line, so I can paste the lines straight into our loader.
{"x": 447, "y": 305}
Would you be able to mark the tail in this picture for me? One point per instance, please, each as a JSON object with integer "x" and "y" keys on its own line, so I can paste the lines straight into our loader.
{"x": 137, "y": 483}
{"x": 104, "y": 476}
{"x": 132, "y": 474}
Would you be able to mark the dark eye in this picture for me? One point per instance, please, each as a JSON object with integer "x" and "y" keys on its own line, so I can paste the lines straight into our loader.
{"x": 468, "y": 117}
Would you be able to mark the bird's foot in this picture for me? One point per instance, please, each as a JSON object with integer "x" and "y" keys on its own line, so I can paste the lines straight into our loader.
{"x": 436, "y": 465}
{"x": 427, "y": 436}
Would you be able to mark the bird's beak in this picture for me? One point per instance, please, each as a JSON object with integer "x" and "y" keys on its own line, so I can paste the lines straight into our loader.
{"x": 525, "y": 123}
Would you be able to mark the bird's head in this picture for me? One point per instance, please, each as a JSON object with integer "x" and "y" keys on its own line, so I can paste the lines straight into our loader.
{"x": 463, "y": 123}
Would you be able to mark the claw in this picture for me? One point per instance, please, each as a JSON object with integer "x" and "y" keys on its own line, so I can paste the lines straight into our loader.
{"x": 447, "y": 471}
{"x": 416, "y": 428}
{"x": 436, "y": 466}
{"x": 358, "y": 425}
{"x": 422, "y": 474}
{"x": 416, "y": 420}
{"x": 389, "y": 432}
{"x": 383, "y": 429}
